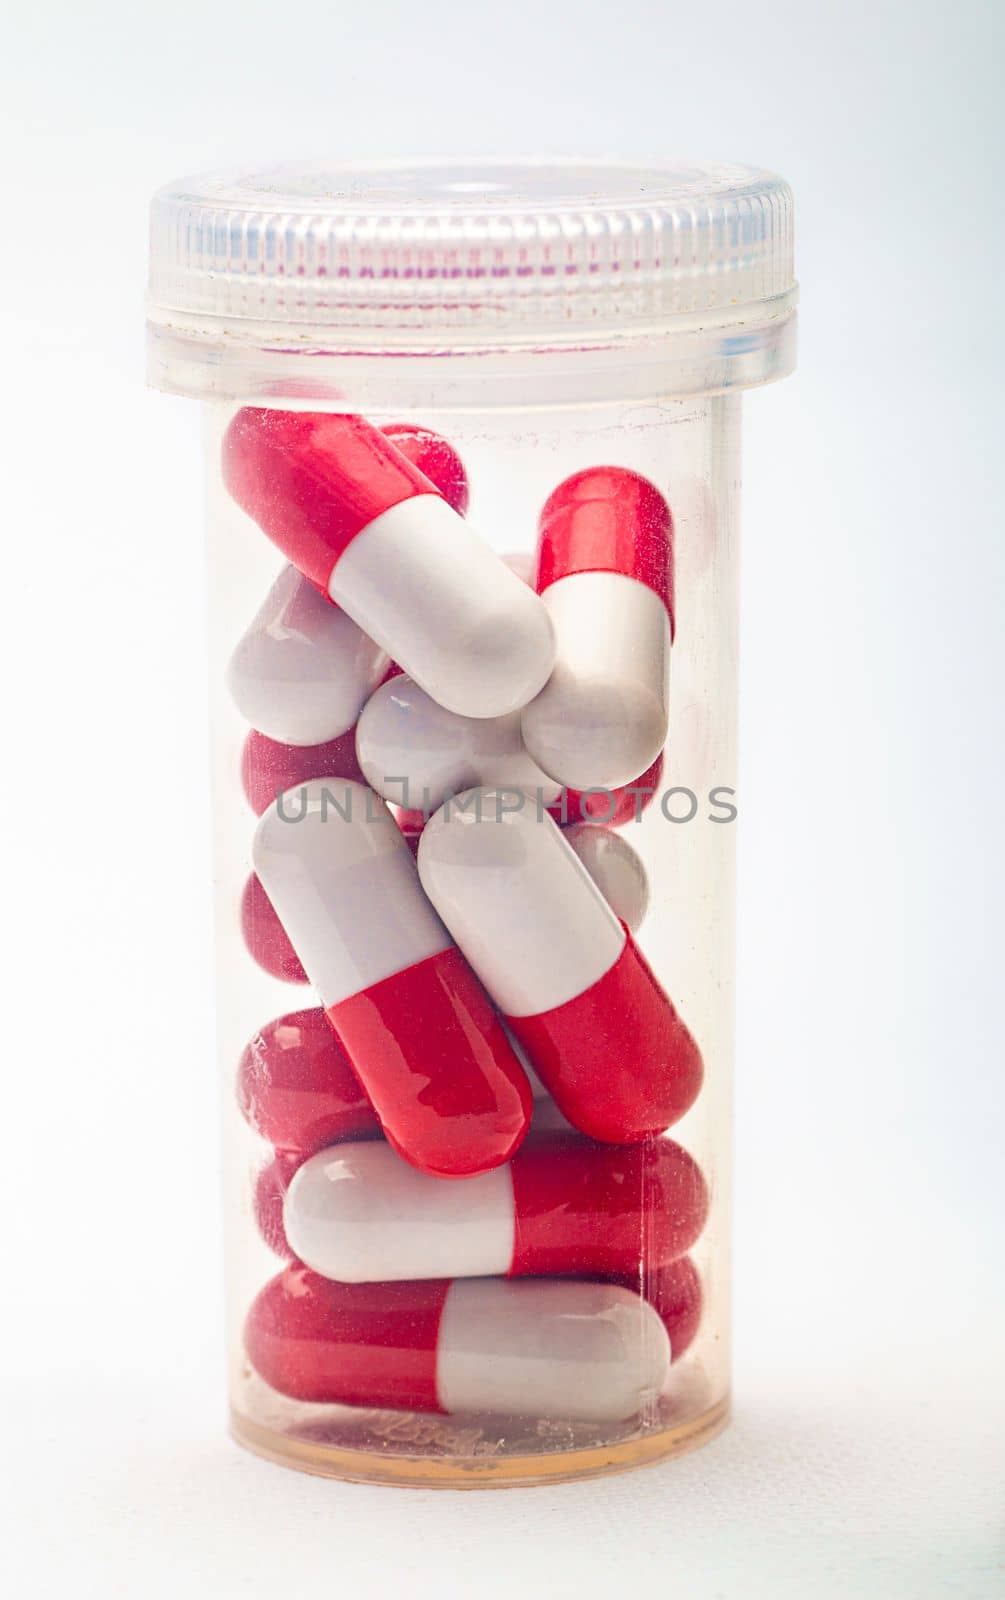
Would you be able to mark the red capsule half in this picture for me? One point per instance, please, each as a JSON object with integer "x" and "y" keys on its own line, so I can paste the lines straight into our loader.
{"x": 435, "y": 457}
{"x": 296, "y": 1087}
{"x": 265, "y": 938}
{"x": 269, "y": 768}
{"x": 607, "y": 519}
{"x": 587, "y": 1209}
{"x": 271, "y": 1184}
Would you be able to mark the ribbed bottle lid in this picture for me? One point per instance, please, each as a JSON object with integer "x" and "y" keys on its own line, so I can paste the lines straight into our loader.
{"x": 453, "y": 254}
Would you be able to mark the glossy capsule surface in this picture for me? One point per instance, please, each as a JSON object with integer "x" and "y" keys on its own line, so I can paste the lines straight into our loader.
{"x": 562, "y": 1206}
{"x": 296, "y": 1086}
{"x": 549, "y": 1348}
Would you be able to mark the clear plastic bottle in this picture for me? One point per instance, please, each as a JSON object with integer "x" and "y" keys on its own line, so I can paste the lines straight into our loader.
{"x": 436, "y": 1298}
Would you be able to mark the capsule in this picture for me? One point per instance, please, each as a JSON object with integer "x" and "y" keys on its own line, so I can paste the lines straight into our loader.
{"x": 296, "y": 1086}
{"x": 269, "y": 768}
{"x": 366, "y": 527}
{"x": 569, "y": 979}
{"x": 575, "y": 1352}
{"x": 412, "y": 750}
{"x": 605, "y": 571}
{"x": 265, "y": 938}
{"x": 414, "y": 1021}
{"x": 303, "y": 671}
{"x": 561, "y": 1207}
{"x": 615, "y": 868}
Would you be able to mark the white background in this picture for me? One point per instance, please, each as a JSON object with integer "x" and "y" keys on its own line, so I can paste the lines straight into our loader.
{"x": 866, "y": 1458}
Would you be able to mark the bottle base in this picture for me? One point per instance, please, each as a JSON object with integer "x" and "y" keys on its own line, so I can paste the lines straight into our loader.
{"x": 395, "y": 1465}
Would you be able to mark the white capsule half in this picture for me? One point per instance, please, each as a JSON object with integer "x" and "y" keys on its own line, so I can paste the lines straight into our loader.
{"x": 442, "y": 602}
{"x": 360, "y": 1214}
{"x": 303, "y": 670}
{"x": 615, "y": 867}
{"x": 587, "y": 1352}
{"x": 518, "y": 901}
{"x": 601, "y": 719}
{"x": 339, "y": 872}
{"x": 416, "y": 753}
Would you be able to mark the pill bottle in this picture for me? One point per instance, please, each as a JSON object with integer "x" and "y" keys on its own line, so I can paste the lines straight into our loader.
{"x": 473, "y": 445}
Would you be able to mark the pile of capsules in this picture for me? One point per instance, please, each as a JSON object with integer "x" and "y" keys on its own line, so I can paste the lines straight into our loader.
{"x": 473, "y": 954}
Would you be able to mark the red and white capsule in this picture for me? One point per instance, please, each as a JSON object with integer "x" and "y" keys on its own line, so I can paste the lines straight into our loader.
{"x": 561, "y": 1207}
{"x": 303, "y": 671}
{"x": 373, "y": 533}
{"x": 569, "y": 979}
{"x": 616, "y": 868}
{"x": 412, "y": 750}
{"x": 414, "y": 1021}
{"x": 540, "y": 1347}
{"x": 605, "y": 571}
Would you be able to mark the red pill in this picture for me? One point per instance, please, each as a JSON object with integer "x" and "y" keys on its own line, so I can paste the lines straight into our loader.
{"x": 271, "y": 1184}
{"x": 265, "y": 937}
{"x": 269, "y": 768}
{"x": 675, "y": 1292}
{"x": 296, "y": 1088}
{"x": 435, "y": 458}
